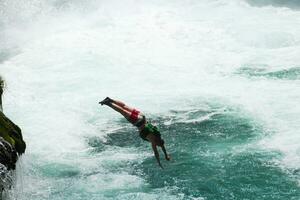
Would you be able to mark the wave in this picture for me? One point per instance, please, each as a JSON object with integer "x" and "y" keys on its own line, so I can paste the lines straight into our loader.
{"x": 293, "y": 4}
{"x": 285, "y": 74}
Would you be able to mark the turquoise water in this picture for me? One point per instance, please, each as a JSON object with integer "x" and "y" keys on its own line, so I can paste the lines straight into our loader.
{"x": 219, "y": 78}
{"x": 285, "y": 74}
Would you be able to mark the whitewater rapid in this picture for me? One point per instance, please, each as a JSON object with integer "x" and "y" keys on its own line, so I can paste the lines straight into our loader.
{"x": 168, "y": 58}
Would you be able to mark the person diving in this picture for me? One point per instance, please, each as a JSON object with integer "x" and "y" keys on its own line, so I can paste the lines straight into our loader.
{"x": 147, "y": 131}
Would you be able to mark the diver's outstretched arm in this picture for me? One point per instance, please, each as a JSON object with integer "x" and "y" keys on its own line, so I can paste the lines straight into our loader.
{"x": 165, "y": 152}
{"x": 154, "y": 148}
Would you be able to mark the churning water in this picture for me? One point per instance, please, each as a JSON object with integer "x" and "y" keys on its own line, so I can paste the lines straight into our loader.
{"x": 221, "y": 78}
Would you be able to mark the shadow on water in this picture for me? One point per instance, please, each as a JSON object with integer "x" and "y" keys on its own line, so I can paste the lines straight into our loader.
{"x": 284, "y": 74}
{"x": 293, "y": 4}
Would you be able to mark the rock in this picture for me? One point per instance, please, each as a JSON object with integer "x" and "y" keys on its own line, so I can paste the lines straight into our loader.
{"x": 12, "y": 145}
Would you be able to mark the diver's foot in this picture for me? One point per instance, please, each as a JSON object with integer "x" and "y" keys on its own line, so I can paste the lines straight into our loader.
{"x": 106, "y": 101}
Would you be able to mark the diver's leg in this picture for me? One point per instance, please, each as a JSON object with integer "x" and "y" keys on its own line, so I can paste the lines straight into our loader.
{"x": 123, "y": 105}
{"x": 108, "y": 100}
{"x": 120, "y": 110}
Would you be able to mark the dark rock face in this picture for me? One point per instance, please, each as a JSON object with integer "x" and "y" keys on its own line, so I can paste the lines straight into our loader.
{"x": 11, "y": 133}
{"x": 8, "y": 155}
{"x": 12, "y": 145}
{"x": 1, "y": 92}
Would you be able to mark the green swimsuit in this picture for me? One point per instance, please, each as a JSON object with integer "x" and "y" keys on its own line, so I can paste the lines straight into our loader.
{"x": 149, "y": 128}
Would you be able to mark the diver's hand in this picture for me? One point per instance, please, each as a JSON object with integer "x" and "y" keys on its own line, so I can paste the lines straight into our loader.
{"x": 168, "y": 157}
{"x": 160, "y": 166}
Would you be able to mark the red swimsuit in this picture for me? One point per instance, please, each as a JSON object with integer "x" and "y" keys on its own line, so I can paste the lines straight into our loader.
{"x": 134, "y": 115}
{"x": 137, "y": 118}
